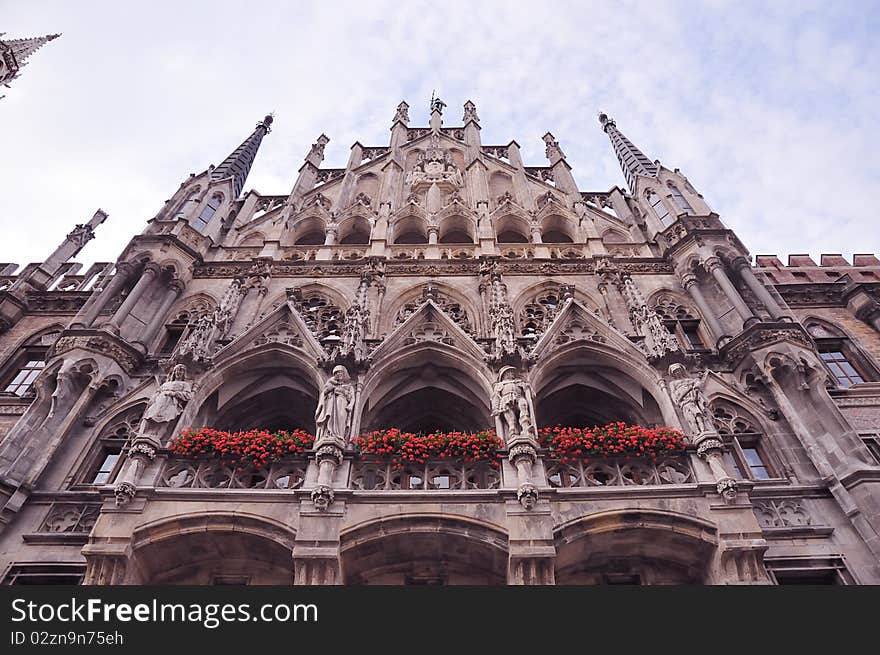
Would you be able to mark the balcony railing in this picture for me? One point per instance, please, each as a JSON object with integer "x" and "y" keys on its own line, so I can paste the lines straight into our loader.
{"x": 619, "y": 472}
{"x": 189, "y": 474}
{"x": 433, "y": 475}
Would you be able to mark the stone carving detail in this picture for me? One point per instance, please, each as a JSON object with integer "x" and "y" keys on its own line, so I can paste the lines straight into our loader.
{"x": 470, "y": 113}
{"x": 576, "y": 330}
{"x": 186, "y": 474}
{"x": 67, "y": 518}
{"x": 503, "y": 329}
{"x": 100, "y": 344}
{"x": 402, "y": 114}
{"x": 511, "y": 405}
{"x": 659, "y": 342}
{"x": 434, "y": 168}
{"x": 158, "y": 418}
{"x": 281, "y": 333}
{"x": 439, "y": 475}
{"x": 538, "y": 314}
{"x": 333, "y": 415}
{"x": 618, "y": 473}
{"x": 166, "y": 405}
{"x": 451, "y": 308}
{"x": 429, "y": 331}
{"x": 782, "y": 513}
{"x": 322, "y": 317}
{"x": 81, "y": 235}
{"x": 687, "y": 393}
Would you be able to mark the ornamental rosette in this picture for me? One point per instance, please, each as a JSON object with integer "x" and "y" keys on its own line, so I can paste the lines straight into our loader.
{"x": 408, "y": 447}
{"x": 613, "y": 440}
{"x": 240, "y": 450}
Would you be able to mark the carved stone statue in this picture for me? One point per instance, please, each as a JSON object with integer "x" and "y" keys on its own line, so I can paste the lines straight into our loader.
{"x": 510, "y": 403}
{"x": 335, "y": 405}
{"x": 166, "y": 406}
{"x": 504, "y": 329}
{"x": 687, "y": 393}
{"x": 353, "y": 332}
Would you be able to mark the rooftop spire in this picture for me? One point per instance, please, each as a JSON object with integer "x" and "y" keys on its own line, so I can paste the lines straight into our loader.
{"x": 632, "y": 160}
{"x": 14, "y": 52}
{"x": 238, "y": 164}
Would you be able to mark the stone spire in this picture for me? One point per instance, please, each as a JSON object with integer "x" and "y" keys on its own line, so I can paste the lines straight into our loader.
{"x": 14, "y": 53}
{"x": 238, "y": 164}
{"x": 632, "y": 160}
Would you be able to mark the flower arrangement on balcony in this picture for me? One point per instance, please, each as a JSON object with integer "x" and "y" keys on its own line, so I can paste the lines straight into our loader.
{"x": 406, "y": 447}
{"x": 239, "y": 450}
{"x": 612, "y": 440}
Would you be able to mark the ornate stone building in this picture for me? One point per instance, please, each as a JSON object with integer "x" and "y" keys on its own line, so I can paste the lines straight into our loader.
{"x": 437, "y": 283}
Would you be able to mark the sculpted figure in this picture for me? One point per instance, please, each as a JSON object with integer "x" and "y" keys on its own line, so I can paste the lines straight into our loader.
{"x": 687, "y": 393}
{"x": 333, "y": 415}
{"x": 166, "y": 405}
{"x": 505, "y": 340}
{"x": 510, "y": 402}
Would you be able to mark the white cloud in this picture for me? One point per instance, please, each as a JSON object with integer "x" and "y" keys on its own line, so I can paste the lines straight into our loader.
{"x": 770, "y": 110}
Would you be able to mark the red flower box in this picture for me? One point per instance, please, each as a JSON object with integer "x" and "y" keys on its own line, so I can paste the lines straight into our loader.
{"x": 612, "y": 440}
{"x": 241, "y": 449}
{"x": 407, "y": 447}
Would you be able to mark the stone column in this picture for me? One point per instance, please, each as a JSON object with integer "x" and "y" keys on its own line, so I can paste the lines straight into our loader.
{"x": 690, "y": 284}
{"x": 151, "y": 270}
{"x": 105, "y": 570}
{"x": 98, "y": 301}
{"x": 744, "y": 268}
{"x": 175, "y": 288}
{"x": 716, "y": 267}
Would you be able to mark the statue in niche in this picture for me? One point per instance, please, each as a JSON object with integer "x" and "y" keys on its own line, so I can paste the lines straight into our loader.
{"x": 64, "y": 392}
{"x": 335, "y": 405}
{"x": 510, "y": 402}
{"x": 166, "y": 405}
{"x": 687, "y": 393}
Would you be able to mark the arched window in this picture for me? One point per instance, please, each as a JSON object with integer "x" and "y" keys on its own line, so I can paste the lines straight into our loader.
{"x": 23, "y": 368}
{"x": 322, "y": 316}
{"x": 680, "y": 201}
{"x": 679, "y": 320}
{"x": 659, "y": 209}
{"x": 748, "y": 455}
{"x": 537, "y": 315}
{"x": 186, "y": 204}
{"x": 313, "y": 238}
{"x": 104, "y": 459}
{"x": 201, "y": 222}
{"x": 844, "y": 360}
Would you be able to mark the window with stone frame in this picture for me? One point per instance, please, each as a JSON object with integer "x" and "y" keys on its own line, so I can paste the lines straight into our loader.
{"x": 659, "y": 208}
{"x": 681, "y": 322}
{"x": 104, "y": 459}
{"x": 872, "y": 443}
{"x": 809, "y": 570}
{"x": 201, "y": 221}
{"x": 679, "y": 200}
{"x": 45, "y": 574}
{"x": 23, "y": 368}
{"x": 174, "y": 332}
{"x": 748, "y": 454}
{"x": 843, "y": 359}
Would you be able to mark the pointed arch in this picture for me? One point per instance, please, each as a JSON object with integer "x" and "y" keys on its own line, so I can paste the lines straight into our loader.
{"x": 511, "y": 228}
{"x": 452, "y": 301}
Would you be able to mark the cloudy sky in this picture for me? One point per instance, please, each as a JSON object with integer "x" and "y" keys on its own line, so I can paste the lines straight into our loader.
{"x": 770, "y": 109}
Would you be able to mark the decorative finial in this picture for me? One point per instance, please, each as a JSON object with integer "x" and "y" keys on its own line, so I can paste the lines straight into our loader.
{"x": 605, "y": 120}
{"x": 402, "y": 115}
{"x": 436, "y": 103}
{"x": 267, "y": 121}
{"x": 470, "y": 112}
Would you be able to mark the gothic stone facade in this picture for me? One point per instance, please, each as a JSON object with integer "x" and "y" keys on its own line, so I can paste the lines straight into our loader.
{"x": 426, "y": 284}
